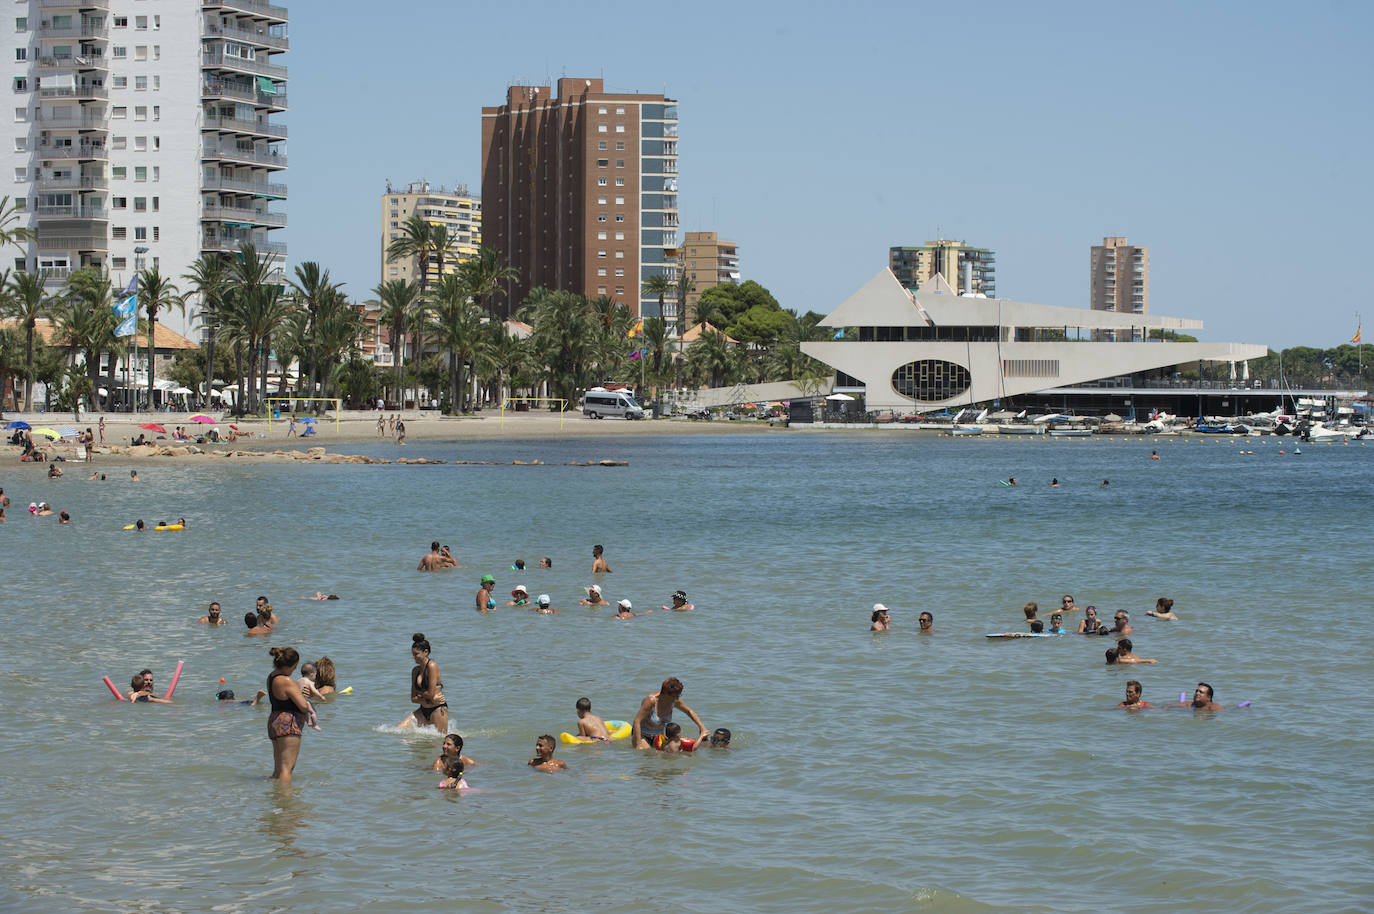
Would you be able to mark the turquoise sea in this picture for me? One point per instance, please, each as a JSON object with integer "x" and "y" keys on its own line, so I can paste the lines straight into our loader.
{"x": 870, "y": 772}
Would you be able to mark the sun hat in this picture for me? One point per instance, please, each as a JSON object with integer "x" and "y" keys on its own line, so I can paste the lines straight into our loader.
{"x": 679, "y": 595}
{"x": 543, "y": 599}
{"x": 594, "y": 588}
{"x": 520, "y": 588}
{"x": 879, "y": 608}
{"x": 488, "y": 579}
{"x": 626, "y": 604}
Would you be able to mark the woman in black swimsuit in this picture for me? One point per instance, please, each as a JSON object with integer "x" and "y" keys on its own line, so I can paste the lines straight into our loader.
{"x": 426, "y": 689}
{"x": 290, "y": 711}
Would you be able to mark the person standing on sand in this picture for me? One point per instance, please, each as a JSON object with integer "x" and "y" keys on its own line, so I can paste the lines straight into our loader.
{"x": 102, "y": 429}
{"x": 599, "y": 565}
{"x": 401, "y": 432}
{"x": 381, "y": 425}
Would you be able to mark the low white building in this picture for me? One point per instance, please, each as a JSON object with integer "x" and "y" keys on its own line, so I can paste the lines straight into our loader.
{"x": 932, "y": 348}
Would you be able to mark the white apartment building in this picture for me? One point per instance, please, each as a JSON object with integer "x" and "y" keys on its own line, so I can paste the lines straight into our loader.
{"x": 141, "y": 133}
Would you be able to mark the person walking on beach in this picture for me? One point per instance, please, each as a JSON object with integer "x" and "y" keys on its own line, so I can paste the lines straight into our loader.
{"x": 599, "y": 565}
{"x": 381, "y": 425}
{"x": 656, "y": 710}
{"x": 290, "y": 712}
{"x": 291, "y": 429}
{"x": 426, "y": 689}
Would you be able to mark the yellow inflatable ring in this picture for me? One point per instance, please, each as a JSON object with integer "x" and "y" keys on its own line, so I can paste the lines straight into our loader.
{"x": 618, "y": 729}
{"x": 168, "y": 527}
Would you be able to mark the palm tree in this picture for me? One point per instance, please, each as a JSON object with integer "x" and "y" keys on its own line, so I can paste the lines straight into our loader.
{"x": 10, "y": 231}
{"x": 659, "y": 286}
{"x": 312, "y": 288}
{"x": 209, "y": 280}
{"x": 459, "y": 329}
{"x": 256, "y": 307}
{"x": 27, "y": 301}
{"x": 564, "y": 331}
{"x": 685, "y": 287}
{"x": 11, "y": 365}
{"x": 487, "y": 276}
{"x": 156, "y": 293}
{"x": 339, "y": 329}
{"x": 397, "y": 298}
{"x": 711, "y": 358}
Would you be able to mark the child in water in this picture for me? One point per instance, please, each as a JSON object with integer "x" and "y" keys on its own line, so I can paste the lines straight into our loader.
{"x": 670, "y": 740}
{"x": 588, "y": 724}
{"x": 543, "y": 755}
{"x": 453, "y": 774}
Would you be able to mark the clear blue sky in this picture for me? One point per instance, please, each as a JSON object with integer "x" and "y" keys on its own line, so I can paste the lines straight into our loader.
{"x": 1232, "y": 139}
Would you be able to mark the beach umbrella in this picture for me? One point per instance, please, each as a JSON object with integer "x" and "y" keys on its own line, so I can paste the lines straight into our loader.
{"x": 47, "y": 432}
{"x": 203, "y": 420}
{"x": 308, "y": 420}
{"x": 839, "y": 397}
{"x": 19, "y": 424}
{"x": 181, "y": 390}
{"x": 234, "y": 427}
{"x": 153, "y": 427}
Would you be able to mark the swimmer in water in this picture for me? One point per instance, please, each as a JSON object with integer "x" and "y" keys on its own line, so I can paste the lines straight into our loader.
{"x": 133, "y": 475}
{"x": 541, "y": 605}
{"x": 1133, "y": 702}
{"x": 452, "y": 748}
{"x": 599, "y": 565}
{"x": 1202, "y": 699}
{"x": 1031, "y": 610}
{"x": 1121, "y": 626}
{"x": 543, "y": 755}
{"x": 1054, "y": 482}
{"x": 426, "y": 689}
{"x": 588, "y": 724}
{"x": 63, "y": 517}
{"x": 432, "y": 560}
{"x": 1066, "y": 604}
{"x": 546, "y": 562}
{"x": 879, "y": 621}
{"x": 325, "y": 679}
{"x": 141, "y": 685}
{"x": 656, "y": 710}
{"x": 1124, "y": 655}
{"x": 227, "y": 695}
{"x": 520, "y": 596}
{"x": 672, "y": 741}
{"x": 1154, "y": 455}
{"x": 594, "y": 597}
{"x": 625, "y": 610}
{"x": 679, "y": 602}
{"x": 1056, "y": 624}
{"x": 324, "y": 596}
{"x": 447, "y": 555}
{"x": 1037, "y": 627}
{"x": 54, "y": 471}
{"x": 254, "y": 627}
{"x": 306, "y": 680}
{"x": 1164, "y": 609}
{"x": 484, "y": 599}
{"x": 518, "y": 565}
{"x": 927, "y": 623}
{"x": 1011, "y": 480}
{"x": 213, "y": 617}
{"x": 719, "y": 739}
{"x": 453, "y": 774}
{"x": 1090, "y": 624}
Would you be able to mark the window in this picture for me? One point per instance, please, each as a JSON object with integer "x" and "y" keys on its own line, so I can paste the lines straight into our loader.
{"x": 119, "y": 52}
{"x": 619, "y": 236}
{"x": 157, "y": 82}
{"x": 119, "y": 82}
{"x": 155, "y": 204}
{"x": 21, "y": 53}
{"x": 157, "y": 112}
{"x": 600, "y": 182}
{"x": 21, "y": 84}
{"x": 21, "y": 114}
{"x": 619, "y": 128}
{"x": 121, "y": 22}
{"x": 157, "y": 142}
{"x": 140, "y": 52}
{"x": 619, "y": 217}
{"x": 157, "y": 22}
{"x": 601, "y": 110}
{"x": 118, "y": 172}
{"x": 619, "y": 255}
{"x": 619, "y": 201}
{"x": 601, "y": 253}
{"x": 21, "y": 174}
{"x": 600, "y": 236}
{"x": 118, "y": 263}
{"x": 602, "y": 163}
{"x": 119, "y": 142}
{"x": 619, "y": 163}
{"x": 157, "y": 232}
{"x": 19, "y": 143}
{"x": 600, "y": 217}
{"x": 619, "y": 109}
{"x": 601, "y": 200}
{"x": 119, "y": 111}
{"x": 21, "y": 204}
{"x": 601, "y": 145}
{"x": 21, "y": 24}
{"x": 600, "y": 128}
{"x": 619, "y": 145}
{"x": 119, "y": 202}
{"x": 619, "y": 271}
{"x": 119, "y": 233}
{"x": 619, "y": 290}
{"x": 157, "y": 172}
{"x": 157, "y": 262}
{"x": 140, "y": 172}
{"x": 140, "y": 233}
{"x": 600, "y": 290}
{"x": 601, "y": 271}
{"x": 141, "y": 23}
{"x": 619, "y": 182}
{"x": 157, "y": 55}
{"x": 141, "y": 113}
{"x": 141, "y": 83}
{"x": 141, "y": 143}
{"x": 140, "y": 204}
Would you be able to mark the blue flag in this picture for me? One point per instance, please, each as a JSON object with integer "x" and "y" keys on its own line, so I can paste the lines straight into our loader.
{"x": 638, "y": 354}
{"x": 126, "y": 309}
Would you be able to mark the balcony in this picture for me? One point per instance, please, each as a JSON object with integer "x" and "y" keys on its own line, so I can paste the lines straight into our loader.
{"x": 74, "y": 4}
{"x": 82, "y": 28}
{"x": 230, "y": 245}
{"x": 79, "y": 151}
{"x": 245, "y": 186}
{"x": 74, "y": 182}
{"x": 79, "y": 93}
{"x": 240, "y": 90}
{"x": 88, "y": 120}
{"x": 220, "y": 213}
{"x": 260, "y": 36}
{"x": 256, "y": 7}
{"x": 79, "y": 62}
{"x": 70, "y": 211}
{"x": 72, "y": 242}
{"x": 215, "y": 57}
{"x": 234, "y": 154}
{"x": 238, "y": 125}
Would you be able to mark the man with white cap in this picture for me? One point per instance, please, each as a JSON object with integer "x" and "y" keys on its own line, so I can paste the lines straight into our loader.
{"x": 594, "y": 597}
{"x": 881, "y": 622}
{"x": 542, "y": 605}
{"x": 520, "y": 596}
{"x": 625, "y": 610}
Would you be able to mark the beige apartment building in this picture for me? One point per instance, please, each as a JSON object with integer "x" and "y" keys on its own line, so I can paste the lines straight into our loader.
{"x": 437, "y": 205}
{"x": 1120, "y": 277}
{"x": 580, "y": 191}
{"x": 709, "y": 262}
{"x": 968, "y": 270}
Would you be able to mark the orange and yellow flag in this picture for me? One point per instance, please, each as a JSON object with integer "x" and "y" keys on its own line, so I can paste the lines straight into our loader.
{"x": 1356, "y": 338}
{"x": 636, "y": 330}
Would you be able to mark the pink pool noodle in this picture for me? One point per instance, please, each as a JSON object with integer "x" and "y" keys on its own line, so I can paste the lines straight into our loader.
{"x": 119, "y": 696}
{"x": 176, "y": 674}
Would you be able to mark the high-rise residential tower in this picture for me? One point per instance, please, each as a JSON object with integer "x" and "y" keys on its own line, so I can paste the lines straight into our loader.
{"x": 1120, "y": 277}
{"x": 579, "y": 190}
{"x": 437, "y": 205}
{"x": 141, "y": 133}
{"x": 968, "y": 270}
{"x": 710, "y": 262}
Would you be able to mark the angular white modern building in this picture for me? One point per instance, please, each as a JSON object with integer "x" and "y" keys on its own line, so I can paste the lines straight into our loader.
{"x": 932, "y": 348}
{"x": 141, "y": 133}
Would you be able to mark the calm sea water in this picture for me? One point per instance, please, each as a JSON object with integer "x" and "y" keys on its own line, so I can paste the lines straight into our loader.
{"x": 870, "y": 771}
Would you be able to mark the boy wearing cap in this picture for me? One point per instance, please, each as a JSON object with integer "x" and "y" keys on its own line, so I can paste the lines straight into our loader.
{"x": 680, "y": 603}
{"x": 542, "y": 605}
{"x": 594, "y": 597}
{"x": 520, "y": 596}
{"x": 625, "y": 610}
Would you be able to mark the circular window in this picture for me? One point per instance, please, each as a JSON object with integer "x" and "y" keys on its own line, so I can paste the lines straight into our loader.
{"x": 931, "y": 380}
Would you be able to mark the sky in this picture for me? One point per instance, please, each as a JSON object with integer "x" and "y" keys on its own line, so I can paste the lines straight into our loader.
{"x": 1232, "y": 139}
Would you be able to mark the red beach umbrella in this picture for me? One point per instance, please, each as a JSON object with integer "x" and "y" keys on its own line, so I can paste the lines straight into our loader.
{"x": 153, "y": 427}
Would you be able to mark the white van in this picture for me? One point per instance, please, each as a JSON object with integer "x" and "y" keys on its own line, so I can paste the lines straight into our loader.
{"x": 598, "y": 403}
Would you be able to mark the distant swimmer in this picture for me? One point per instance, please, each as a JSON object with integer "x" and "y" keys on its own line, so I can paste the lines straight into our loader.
{"x": 543, "y": 755}
{"x": 63, "y": 517}
{"x": 1011, "y": 480}
{"x": 599, "y": 565}
{"x": 1133, "y": 692}
{"x": 588, "y": 724}
{"x": 1054, "y": 482}
{"x": 1164, "y": 609}
{"x": 290, "y": 713}
{"x": 1203, "y": 697}
{"x": 1104, "y": 483}
{"x": 544, "y": 605}
{"x": 656, "y": 710}
{"x": 1124, "y": 655}
{"x": 1056, "y": 624}
{"x": 594, "y": 597}
{"x": 1154, "y": 455}
{"x": 1121, "y": 627}
{"x": 133, "y": 475}
{"x": 265, "y": 614}
{"x": 54, "y": 471}
{"x": 1031, "y": 610}
{"x": 452, "y": 748}
{"x": 719, "y": 739}
{"x": 1066, "y": 603}
{"x": 453, "y": 775}
{"x": 4, "y": 499}
{"x": 426, "y": 689}
{"x": 879, "y": 621}
{"x": 212, "y": 616}
{"x": 1090, "y": 624}
{"x": 255, "y": 627}
{"x": 546, "y": 562}
{"x": 141, "y": 689}
{"x": 1037, "y": 627}
{"x": 927, "y": 622}
{"x": 679, "y": 602}
{"x": 518, "y": 565}
{"x": 483, "y": 598}
{"x": 325, "y": 679}
{"x": 319, "y": 595}
{"x": 433, "y": 560}
{"x": 227, "y": 695}
{"x": 625, "y": 610}
{"x": 520, "y": 596}
{"x": 449, "y": 560}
